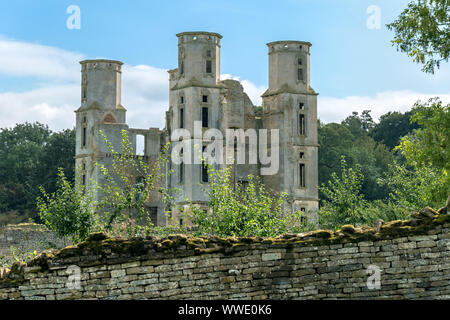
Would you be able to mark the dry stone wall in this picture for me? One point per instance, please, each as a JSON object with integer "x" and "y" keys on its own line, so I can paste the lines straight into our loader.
{"x": 400, "y": 260}
{"x": 22, "y": 239}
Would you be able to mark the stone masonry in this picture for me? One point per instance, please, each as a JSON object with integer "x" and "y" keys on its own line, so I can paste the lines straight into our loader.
{"x": 25, "y": 238}
{"x": 199, "y": 98}
{"x": 412, "y": 257}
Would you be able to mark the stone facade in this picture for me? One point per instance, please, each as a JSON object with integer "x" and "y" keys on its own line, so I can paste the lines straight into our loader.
{"x": 198, "y": 95}
{"x": 411, "y": 256}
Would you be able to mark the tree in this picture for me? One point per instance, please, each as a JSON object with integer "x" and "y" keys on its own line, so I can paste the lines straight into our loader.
{"x": 423, "y": 32}
{"x": 343, "y": 203}
{"x": 359, "y": 124}
{"x": 430, "y": 145}
{"x": 69, "y": 211}
{"x": 334, "y": 140}
{"x": 20, "y": 150}
{"x": 392, "y": 127}
{"x": 58, "y": 152}
{"x": 351, "y": 139}
{"x": 427, "y": 152}
{"x": 30, "y": 155}
{"x": 129, "y": 184}
{"x": 414, "y": 188}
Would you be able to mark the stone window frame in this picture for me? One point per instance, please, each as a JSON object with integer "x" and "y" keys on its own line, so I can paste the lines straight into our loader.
{"x": 301, "y": 160}
{"x": 181, "y": 170}
{"x": 205, "y": 92}
{"x": 304, "y": 112}
{"x": 304, "y": 211}
{"x": 302, "y": 151}
{"x": 203, "y": 166}
{"x": 300, "y": 66}
{"x": 83, "y": 174}
{"x": 211, "y": 59}
{"x": 84, "y": 130}
{"x": 181, "y": 110}
{"x": 302, "y": 183}
{"x": 84, "y": 87}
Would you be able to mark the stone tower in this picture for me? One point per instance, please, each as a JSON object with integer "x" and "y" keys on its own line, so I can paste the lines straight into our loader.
{"x": 194, "y": 99}
{"x": 290, "y": 105}
{"x": 100, "y": 109}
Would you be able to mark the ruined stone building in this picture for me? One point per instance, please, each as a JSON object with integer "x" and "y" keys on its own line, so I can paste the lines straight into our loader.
{"x": 197, "y": 95}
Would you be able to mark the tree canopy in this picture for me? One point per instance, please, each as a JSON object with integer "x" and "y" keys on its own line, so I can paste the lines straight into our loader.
{"x": 423, "y": 32}
{"x": 30, "y": 154}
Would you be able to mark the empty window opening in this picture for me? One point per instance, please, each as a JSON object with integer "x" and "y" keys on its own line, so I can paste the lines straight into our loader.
{"x": 181, "y": 99}
{"x": 300, "y": 62}
{"x": 83, "y": 138}
{"x": 302, "y": 155}
{"x": 301, "y": 124}
{"x": 205, "y": 99}
{"x": 301, "y": 106}
{"x": 303, "y": 216}
{"x": 83, "y": 182}
{"x": 140, "y": 145}
{"x": 182, "y": 118}
{"x": 302, "y": 175}
{"x": 205, "y": 177}
{"x": 208, "y": 66}
{"x": 181, "y": 177}
{"x": 205, "y": 113}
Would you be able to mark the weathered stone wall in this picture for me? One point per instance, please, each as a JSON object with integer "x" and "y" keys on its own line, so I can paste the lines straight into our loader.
{"x": 413, "y": 257}
{"x": 25, "y": 238}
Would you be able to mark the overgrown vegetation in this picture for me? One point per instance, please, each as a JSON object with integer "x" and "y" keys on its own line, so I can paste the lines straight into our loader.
{"x": 238, "y": 210}
{"x": 128, "y": 185}
{"x": 416, "y": 176}
{"x": 69, "y": 211}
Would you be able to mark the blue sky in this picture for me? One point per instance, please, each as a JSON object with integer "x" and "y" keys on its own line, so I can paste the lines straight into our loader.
{"x": 352, "y": 67}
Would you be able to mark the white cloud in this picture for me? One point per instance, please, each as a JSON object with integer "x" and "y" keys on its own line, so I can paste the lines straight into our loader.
{"x": 28, "y": 59}
{"x": 145, "y": 94}
{"x": 337, "y": 109}
{"x": 52, "y": 105}
{"x": 144, "y": 91}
